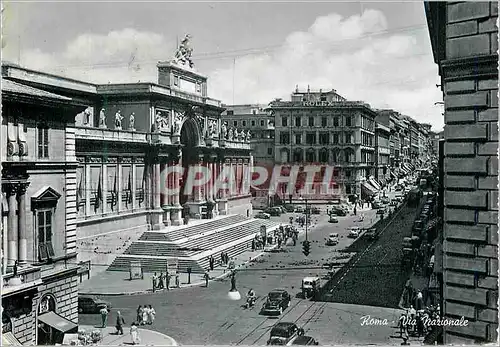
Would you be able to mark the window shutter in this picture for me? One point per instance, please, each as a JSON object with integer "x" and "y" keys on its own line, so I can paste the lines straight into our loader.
{"x": 42, "y": 251}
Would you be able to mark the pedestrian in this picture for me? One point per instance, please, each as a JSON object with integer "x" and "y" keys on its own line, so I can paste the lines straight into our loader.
{"x": 104, "y": 316}
{"x": 139, "y": 314}
{"x": 226, "y": 258}
{"x": 160, "y": 281}
{"x": 119, "y": 323}
{"x": 206, "y": 276}
{"x": 420, "y": 301}
{"x": 402, "y": 322}
{"x": 145, "y": 314}
{"x": 211, "y": 262}
{"x": 167, "y": 280}
{"x": 151, "y": 315}
{"x": 155, "y": 278}
{"x": 253, "y": 245}
{"x": 177, "y": 281}
{"x": 134, "y": 333}
{"x": 222, "y": 258}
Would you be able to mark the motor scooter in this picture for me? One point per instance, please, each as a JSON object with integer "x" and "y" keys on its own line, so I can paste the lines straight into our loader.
{"x": 250, "y": 302}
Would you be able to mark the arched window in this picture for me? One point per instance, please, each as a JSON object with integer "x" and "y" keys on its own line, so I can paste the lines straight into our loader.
{"x": 311, "y": 155}
{"x": 349, "y": 155}
{"x": 323, "y": 155}
{"x": 285, "y": 155}
{"x": 298, "y": 155}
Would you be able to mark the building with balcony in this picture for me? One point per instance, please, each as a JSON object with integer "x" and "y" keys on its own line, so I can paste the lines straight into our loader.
{"x": 127, "y": 142}
{"x": 39, "y": 217}
{"x": 464, "y": 39}
{"x": 323, "y": 128}
{"x": 382, "y": 148}
{"x": 257, "y": 121}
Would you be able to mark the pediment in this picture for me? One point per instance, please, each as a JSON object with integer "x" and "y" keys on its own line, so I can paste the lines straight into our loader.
{"x": 46, "y": 194}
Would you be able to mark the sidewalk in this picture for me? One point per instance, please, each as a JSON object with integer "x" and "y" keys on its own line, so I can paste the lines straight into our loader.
{"x": 118, "y": 282}
{"x": 147, "y": 337}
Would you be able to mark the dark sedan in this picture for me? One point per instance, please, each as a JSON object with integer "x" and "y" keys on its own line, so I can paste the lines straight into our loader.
{"x": 88, "y": 304}
{"x": 277, "y": 301}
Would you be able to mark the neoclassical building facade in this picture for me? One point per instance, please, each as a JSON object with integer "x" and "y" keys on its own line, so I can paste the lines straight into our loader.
{"x": 128, "y": 138}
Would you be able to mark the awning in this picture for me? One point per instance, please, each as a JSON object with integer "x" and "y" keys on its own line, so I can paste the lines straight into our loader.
{"x": 8, "y": 339}
{"x": 374, "y": 183}
{"x": 368, "y": 189}
{"x": 393, "y": 174}
{"x": 57, "y": 322}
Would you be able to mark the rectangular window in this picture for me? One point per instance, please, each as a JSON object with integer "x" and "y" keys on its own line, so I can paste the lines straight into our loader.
{"x": 323, "y": 98}
{"x": 262, "y": 123}
{"x": 348, "y": 121}
{"x": 335, "y": 139}
{"x": 176, "y": 81}
{"x": 311, "y": 139}
{"x": 335, "y": 121}
{"x": 324, "y": 121}
{"x": 44, "y": 229}
{"x": 235, "y": 123}
{"x": 253, "y": 123}
{"x": 324, "y": 139}
{"x": 198, "y": 87}
{"x": 284, "y": 121}
{"x": 297, "y": 122}
{"x": 43, "y": 141}
{"x": 298, "y": 139}
{"x": 244, "y": 123}
{"x": 311, "y": 121}
{"x": 347, "y": 138}
{"x": 284, "y": 138}
{"x": 230, "y": 112}
{"x": 269, "y": 151}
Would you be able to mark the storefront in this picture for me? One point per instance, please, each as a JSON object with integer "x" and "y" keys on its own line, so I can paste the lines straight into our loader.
{"x": 51, "y": 327}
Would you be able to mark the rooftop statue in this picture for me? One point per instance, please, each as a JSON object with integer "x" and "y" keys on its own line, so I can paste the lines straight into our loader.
{"x": 184, "y": 51}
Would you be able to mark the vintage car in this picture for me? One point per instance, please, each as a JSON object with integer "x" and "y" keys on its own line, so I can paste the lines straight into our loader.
{"x": 276, "y": 302}
{"x": 89, "y": 304}
{"x": 332, "y": 239}
{"x": 310, "y": 286}
{"x": 283, "y": 334}
{"x": 382, "y": 211}
{"x": 315, "y": 210}
{"x": 274, "y": 211}
{"x": 263, "y": 215}
{"x": 299, "y": 209}
{"x": 333, "y": 219}
{"x": 371, "y": 234}
{"x": 353, "y": 232}
{"x": 305, "y": 341}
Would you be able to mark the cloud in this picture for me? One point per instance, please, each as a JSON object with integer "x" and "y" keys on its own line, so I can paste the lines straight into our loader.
{"x": 359, "y": 56}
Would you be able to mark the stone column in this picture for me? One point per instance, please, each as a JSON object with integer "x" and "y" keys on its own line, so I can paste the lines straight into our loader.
{"x": 175, "y": 211}
{"x": 21, "y": 224}
{"x": 198, "y": 190}
{"x": 133, "y": 167}
{"x": 119, "y": 184}
{"x": 165, "y": 185}
{"x": 88, "y": 189}
{"x": 11, "y": 191}
{"x": 223, "y": 203}
{"x": 157, "y": 196}
{"x": 104, "y": 187}
{"x": 239, "y": 175}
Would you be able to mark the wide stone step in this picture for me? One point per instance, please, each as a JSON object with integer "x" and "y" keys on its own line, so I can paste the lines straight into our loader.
{"x": 151, "y": 265}
{"x": 156, "y": 249}
{"x": 189, "y": 231}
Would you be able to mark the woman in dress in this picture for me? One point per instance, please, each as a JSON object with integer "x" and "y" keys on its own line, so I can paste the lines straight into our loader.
{"x": 151, "y": 315}
{"x": 134, "y": 333}
{"x": 139, "y": 314}
{"x": 145, "y": 314}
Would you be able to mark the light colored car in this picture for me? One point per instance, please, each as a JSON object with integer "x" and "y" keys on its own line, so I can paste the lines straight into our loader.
{"x": 333, "y": 239}
{"x": 299, "y": 209}
{"x": 353, "y": 232}
{"x": 263, "y": 215}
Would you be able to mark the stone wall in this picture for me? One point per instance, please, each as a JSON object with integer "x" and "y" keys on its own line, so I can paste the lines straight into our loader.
{"x": 470, "y": 81}
{"x": 241, "y": 206}
{"x": 23, "y": 327}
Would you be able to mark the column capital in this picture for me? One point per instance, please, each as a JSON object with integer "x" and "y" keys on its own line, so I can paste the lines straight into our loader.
{"x": 240, "y": 161}
{"x": 11, "y": 189}
{"x": 22, "y": 187}
{"x": 234, "y": 160}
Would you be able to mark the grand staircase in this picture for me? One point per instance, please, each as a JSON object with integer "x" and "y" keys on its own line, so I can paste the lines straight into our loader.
{"x": 192, "y": 245}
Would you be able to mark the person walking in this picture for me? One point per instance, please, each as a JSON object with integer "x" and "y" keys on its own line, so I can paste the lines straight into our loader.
{"x": 134, "y": 333}
{"x": 145, "y": 313}
{"x": 211, "y": 262}
{"x": 104, "y": 316}
{"x": 151, "y": 315}
{"x": 177, "y": 280}
{"x": 206, "y": 277}
{"x": 167, "y": 281}
{"x": 119, "y": 323}
{"x": 155, "y": 279}
{"x": 160, "y": 281}
{"x": 139, "y": 314}
{"x": 222, "y": 258}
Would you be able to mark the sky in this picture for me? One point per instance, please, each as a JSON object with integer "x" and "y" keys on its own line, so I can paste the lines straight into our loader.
{"x": 252, "y": 52}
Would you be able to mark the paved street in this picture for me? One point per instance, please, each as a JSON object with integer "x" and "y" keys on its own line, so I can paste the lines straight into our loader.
{"x": 206, "y": 316}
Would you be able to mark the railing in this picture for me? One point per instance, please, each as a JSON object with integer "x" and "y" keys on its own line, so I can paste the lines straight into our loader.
{"x": 90, "y": 133}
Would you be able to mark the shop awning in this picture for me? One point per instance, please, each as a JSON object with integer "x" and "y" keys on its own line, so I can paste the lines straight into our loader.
{"x": 374, "y": 183}
{"x": 393, "y": 174}
{"x": 8, "y": 339}
{"x": 57, "y": 322}
{"x": 368, "y": 189}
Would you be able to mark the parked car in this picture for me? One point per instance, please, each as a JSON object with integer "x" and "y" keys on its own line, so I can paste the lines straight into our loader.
{"x": 338, "y": 212}
{"x": 304, "y": 341}
{"x": 371, "y": 233}
{"x": 310, "y": 286}
{"x": 332, "y": 239}
{"x": 382, "y": 211}
{"x": 277, "y": 301}
{"x": 283, "y": 333}
{"x": 89, "y": 304}
{"x": 289, "y": 208}
{"x": 333, "y": 219}
{"x": 315, "y": 210}
{"x": 273, "y": 211}
{"x": 376, "y": 205}
{"x": 299, "y": 209}
{"x": 353, "y": 232}
{"x": 394, "y": 202}
{"x": 263, "y": 215}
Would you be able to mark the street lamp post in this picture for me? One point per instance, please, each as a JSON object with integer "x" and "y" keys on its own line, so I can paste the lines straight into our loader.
{"x": 233, "y": 292}
{"x": 307, "y": 218}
